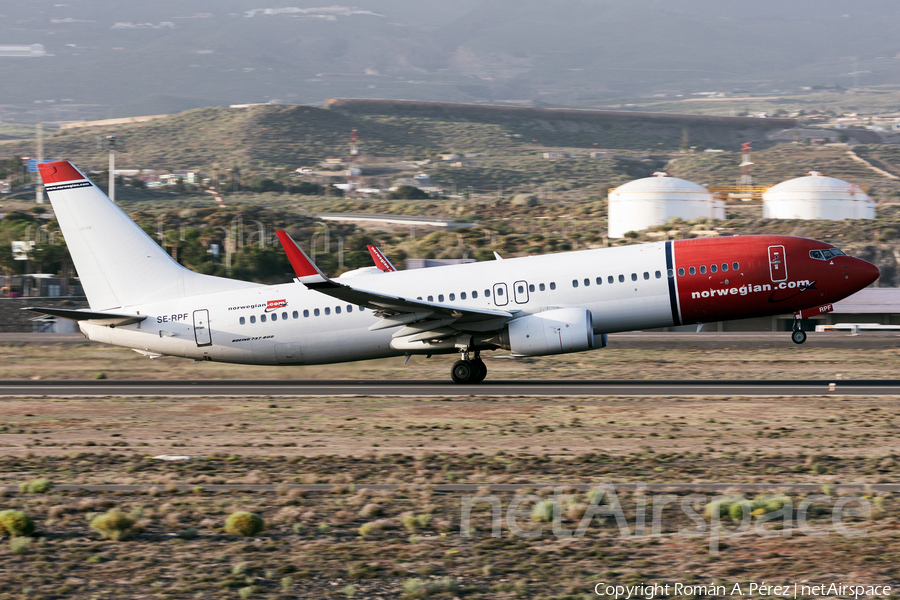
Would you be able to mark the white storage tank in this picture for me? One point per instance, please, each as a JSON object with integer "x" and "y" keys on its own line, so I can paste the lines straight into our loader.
{"x": 817, "y": 197}
{"x": 652, "y": 201}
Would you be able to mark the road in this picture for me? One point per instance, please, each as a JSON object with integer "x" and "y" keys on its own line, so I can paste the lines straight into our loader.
{"x": 318, "y": 387}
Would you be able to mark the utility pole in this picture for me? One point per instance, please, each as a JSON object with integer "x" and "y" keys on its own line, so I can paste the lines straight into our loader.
{"x": 112, "y": 142}
{"x": 39, "y": 188}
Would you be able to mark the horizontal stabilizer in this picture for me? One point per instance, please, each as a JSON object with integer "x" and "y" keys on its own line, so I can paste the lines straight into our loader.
{"x": 100, "y": 318}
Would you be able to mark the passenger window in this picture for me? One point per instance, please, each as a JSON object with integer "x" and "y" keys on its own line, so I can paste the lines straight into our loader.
{"x": 252, "y": 319}
{"x": 431, "y": 298}
{"x": 327, "y": 310}
{"x": 552, "y": 285}
{"x": 305, "y": 313}
{"x": 692, "y": 271}
{"x": 419, "y": 298}
{"x": 542, "y": 287}
{"x": 712, "y": 268}
{"x": 574, "y": 283}
{"x": 362, "y": 308}
{"x": 735, "y": 266}
{"x": 670, "y": 273}
{"x": 337, "y": 310}
{"x": 474, "y": 294}
{"x": 452, "y": 297}
{"x": 487, "y": 293}
{"x": 462, "y": 295}
{"x": 349, "y": 308}
{"x": 262, "y": 318}
{"x": 659, "y": 275}
{"x": 274, "y": 316}
{"x": 703, "y": 269}
{"x": 647, "y": 275}
{"x": 621, "y": 278}
{"x": 610, "y": 279}
{"x": 634, "y": 276}
{"x": 243, "y": 320}
{"x": 599, "y": 280}
{"x": 499, "y": 291}
{"x": 724, "y": 267}
{"x": 440, "y": 297}
{"x": 521, "y": 289}
{"x": 587, "y": 282}
{"x": 295, "y": 314}
{"x": 681, "y": 271}
{"x": 316, "y": 312}
{"x": 284, "y": 316}
{"x": 530, "y": 287}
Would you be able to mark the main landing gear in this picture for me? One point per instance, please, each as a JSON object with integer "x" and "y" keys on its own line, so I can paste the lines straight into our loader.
{"x": 469, "y": 371}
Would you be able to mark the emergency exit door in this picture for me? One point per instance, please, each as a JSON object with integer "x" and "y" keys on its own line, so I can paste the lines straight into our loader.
{"x": 201, "y": 328}
{"x": 777, "y": 264}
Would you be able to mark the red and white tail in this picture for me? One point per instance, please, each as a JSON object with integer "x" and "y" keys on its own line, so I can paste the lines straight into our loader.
{"x": 119, "y": 265}
{"x": 380, "y": 259}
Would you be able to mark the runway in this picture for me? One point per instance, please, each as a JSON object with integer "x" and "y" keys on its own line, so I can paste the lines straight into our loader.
{"x": 300, "y": 388}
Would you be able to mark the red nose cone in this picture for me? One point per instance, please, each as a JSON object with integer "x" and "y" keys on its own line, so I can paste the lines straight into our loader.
{"x": 868, "y": 272}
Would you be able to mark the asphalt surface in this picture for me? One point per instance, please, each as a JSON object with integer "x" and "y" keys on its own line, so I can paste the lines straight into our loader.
{"x": 639, "y": 340}
{"x": 315, "y": 387}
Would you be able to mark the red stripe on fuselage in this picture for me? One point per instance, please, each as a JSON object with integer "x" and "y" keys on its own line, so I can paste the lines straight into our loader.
{"x": 752, "y": 290}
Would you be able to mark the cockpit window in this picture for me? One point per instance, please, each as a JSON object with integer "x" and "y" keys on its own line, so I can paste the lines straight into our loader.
{"x": 817, "y": 254}
{"x": 837, "y": 252}
{"x": 825, "y": 254}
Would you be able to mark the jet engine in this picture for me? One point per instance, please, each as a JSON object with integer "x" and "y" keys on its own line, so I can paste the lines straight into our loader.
{"x": 554, "y": 331}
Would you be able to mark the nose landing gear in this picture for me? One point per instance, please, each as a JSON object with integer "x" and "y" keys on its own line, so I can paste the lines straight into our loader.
{"x": 469, "y": 371}
{"x": 798, "y": 336}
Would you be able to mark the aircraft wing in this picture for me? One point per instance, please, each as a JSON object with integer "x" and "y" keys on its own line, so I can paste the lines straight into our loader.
{"x": 423, "y": 319}
{"x": 100, "y": 318}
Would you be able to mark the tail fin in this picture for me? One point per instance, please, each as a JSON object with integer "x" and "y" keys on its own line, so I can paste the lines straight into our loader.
{"x": 380, "y": 259}
{"x": 119, "y": 265}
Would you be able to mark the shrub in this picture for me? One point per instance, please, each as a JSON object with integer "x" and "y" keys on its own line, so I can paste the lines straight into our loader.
{"x": 244, "y": 523}
{"x": 543, "y": 511}
{"x": 413, "y": 523}
{"x": 188, "y": 534}
{"x": 576, "y": 511}
{"x": 15, "y": 523}
{"x": 19, "y": 545}
{"x": 36, "y": 486}
{"x": 113, "y": 525}
{"x": 370, "y": 510}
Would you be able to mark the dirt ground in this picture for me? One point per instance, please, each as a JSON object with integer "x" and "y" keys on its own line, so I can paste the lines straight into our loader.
{"x": 412, "y": 542}
{"x": 89, "y": 360}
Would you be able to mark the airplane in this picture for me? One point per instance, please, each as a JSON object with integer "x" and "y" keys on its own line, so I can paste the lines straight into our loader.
{"x": 140, "y": 298}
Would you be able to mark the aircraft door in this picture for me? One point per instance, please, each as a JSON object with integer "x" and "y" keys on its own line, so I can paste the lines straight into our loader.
{"x": 520, "y": 292}
{"x": 201, "y": 328}
{"x": 501, "y": 295}
{"x": 777, "y": 264}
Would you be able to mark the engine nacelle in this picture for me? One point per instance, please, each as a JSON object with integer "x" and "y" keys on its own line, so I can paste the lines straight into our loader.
{"x": 554, "y": 331}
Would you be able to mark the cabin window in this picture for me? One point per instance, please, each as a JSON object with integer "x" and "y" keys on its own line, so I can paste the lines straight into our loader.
{"x": 431, "y": 298}
{"x": 295, "y": 314}
{"x": 610, "y": 279}
{"x": 440, "y": 297}
{"x": 274, "y": 316}
{"x": 670, "y": 273}
{"x": 284, "y": 316}
{"x": 316, "y": 312}
{"x": 713, "y": 268}
{"x": 262, "y": 318}
{"x": 542, "y": 287}
{"x": 621, "y": 279}
{"x": 243, "y": 320}
{"x": 599, "y": 280}
{"x": 474, "y": 294}
{"x": 574, "y": 283}
{"x": 692, "y": 271}
{"x": 499, "y": 291}
{"x": 487, "y": 293}
{"x": 362, "y": 308}
{"x": 681, "y": 271}
{"x": 521, "y": 289}
{"x": 552, "y": 285}
{"x": 462, "y": 295}
{"x": 724, "y": 267}
{"x": 658, "y": 275}
{"x": 452, "y": 297}
{"x": 735, "y": 266}
{"x": 634, "y": 276}
{"x": 252, "y": 319}
{"x": 349, "y": 308}
{"x": 647, "y": 275}
{"x": 305, "y": 313}
{"x": 530, "y": 287}
{"x": 337, "y": 310}
{"x": 703, "y": 269}
{"x": 327, "y": 310}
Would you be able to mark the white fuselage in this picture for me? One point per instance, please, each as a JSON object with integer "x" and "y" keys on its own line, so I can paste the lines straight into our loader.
{"x": 290, "y": 324}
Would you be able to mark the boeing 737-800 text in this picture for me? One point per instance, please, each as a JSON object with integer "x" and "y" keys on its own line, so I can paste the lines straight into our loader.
{"x": 533, "y": 306}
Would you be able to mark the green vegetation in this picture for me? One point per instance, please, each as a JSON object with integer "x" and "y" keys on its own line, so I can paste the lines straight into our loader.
{"x": 14, "y": 523}
{"x": 244, "y": 523}
{"x": 114, "y": 525}
{"x": 36, "y": 486}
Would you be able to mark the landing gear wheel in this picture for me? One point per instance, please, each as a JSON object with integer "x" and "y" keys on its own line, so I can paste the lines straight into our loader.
{"x": 480, "y": 371}
{"x": 462, "y": 372}
{"x": 798, "y": 337}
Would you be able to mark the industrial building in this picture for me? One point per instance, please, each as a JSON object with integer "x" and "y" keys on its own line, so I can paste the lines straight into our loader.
{"x": 652, "y": 201}
{"x": 817, "y": 197}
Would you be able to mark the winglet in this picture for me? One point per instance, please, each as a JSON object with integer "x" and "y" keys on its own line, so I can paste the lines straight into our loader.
{"x": 381, "y": 260}
{"x": 306, "y": 271}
